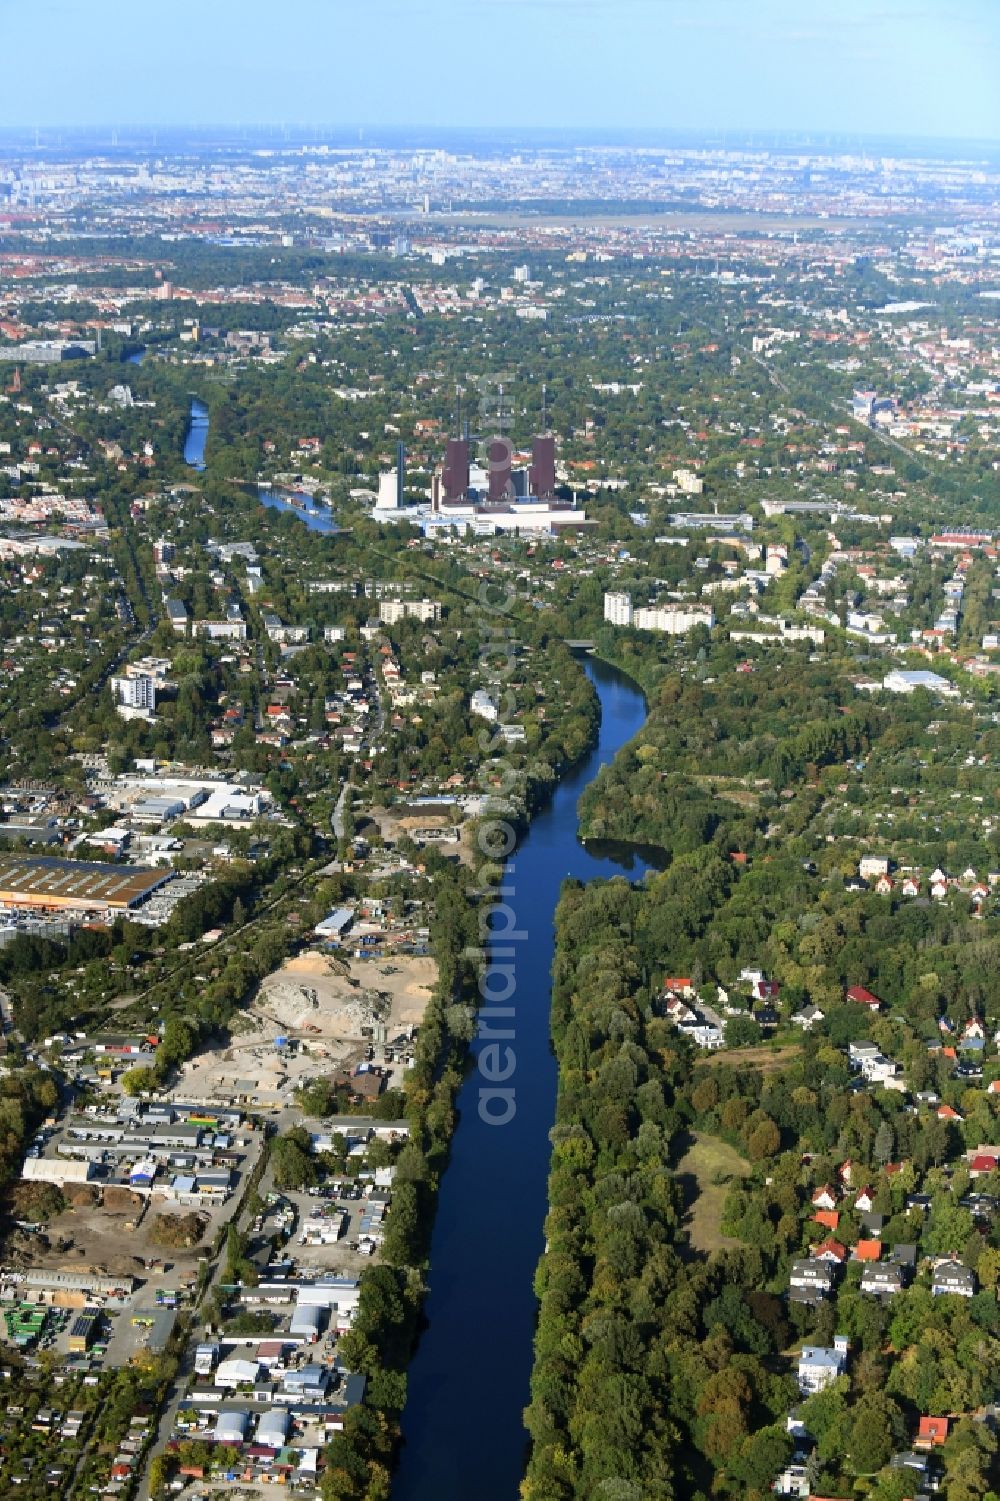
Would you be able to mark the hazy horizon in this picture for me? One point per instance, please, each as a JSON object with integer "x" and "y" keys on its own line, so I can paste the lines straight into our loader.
{"x": 884, "y": 69}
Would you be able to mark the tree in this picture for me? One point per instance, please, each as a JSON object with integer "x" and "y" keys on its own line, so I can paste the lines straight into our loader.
{"x": 705, "y": 1096}
{"x": 763, "y": 1141}
{"x": 176, "y": 1045}
{"x": 876, "y": 1428}
{"x": 159, "y": 1473}
{"x": 742, "y": 1032}
{"x": 387, "y": 1389}
{"x": 763, "y": 1456}
{"x": 884, "y": 1143}
{"x": 291, "y": 1160}
{"x": 138, "y": 1081}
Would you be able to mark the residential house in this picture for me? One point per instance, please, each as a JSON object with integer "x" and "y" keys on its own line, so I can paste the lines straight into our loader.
{"x": 765, "y": 990}
{"x": 859, "y": 1052}
{"x": 793, "y": 1481}
{"x": 810, "y": 1281}
{"x": 981, "y": 1206}
{"x": 820, "y": 1365}
{"x": 951, "y": 1277}
{"x": 830, "y": 1251}
{"x": 882, "y": 1070}
{"x": 931, "y": 1433}
{"x": 679, "y": 986}
{"x": 882, "y": 1281}
{"x": 909, "y": 1460}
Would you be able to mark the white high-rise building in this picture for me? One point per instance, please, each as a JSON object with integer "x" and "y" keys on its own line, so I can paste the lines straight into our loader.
{"x": 674, "y": 620}
{"x": 388, "y": 490}
{"x": 393, "y": 610}
{"x": 689, "y": 483}
{"x": 135, "y": 693}
{"x": 618, "y": 609}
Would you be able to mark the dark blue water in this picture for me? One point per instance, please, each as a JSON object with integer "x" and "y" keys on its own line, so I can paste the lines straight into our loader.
{"x": 197, "y": 435}
{"x": 136, "y": 357}
{"x": 463, "y": 1429}
{"x": 316, "y": 518}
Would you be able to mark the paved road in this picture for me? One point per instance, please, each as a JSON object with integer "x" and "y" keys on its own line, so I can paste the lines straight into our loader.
{"x": 337, "y": 821}
{"x": 712, "y": 1017}
{"x": 185, "y": 1369}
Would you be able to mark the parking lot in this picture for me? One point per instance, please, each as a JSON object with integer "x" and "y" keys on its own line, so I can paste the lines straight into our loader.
{"x": 294, "y": 1209}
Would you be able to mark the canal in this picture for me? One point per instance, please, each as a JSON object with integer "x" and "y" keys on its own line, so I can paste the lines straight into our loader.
{"x": 468, "y": 1385}
{"x": 317, "y": 518}
{"x": 463, "y": 1427}
{"x": 197, "y": 435}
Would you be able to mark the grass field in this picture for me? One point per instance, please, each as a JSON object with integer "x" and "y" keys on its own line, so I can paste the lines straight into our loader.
{"x": 767, "y": 1059}
{"x": 706, "y": 1170}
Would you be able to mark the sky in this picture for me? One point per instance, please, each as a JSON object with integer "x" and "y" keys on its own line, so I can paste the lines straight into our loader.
{"x": 866, "y": 67}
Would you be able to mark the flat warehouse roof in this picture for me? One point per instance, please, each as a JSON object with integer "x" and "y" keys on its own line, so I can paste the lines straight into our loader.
{"x": 44, "y": 881}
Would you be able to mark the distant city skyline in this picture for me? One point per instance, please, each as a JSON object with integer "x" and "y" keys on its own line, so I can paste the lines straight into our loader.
{"x": 862, "y": 67}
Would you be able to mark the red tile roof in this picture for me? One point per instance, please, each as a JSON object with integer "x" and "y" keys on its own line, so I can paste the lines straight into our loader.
{"x": 933, "y": 1430}
{"x": 868, "y": 1250}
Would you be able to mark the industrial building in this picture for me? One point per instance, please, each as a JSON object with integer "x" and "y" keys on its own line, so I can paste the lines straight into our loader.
{"x": 272, "y": 1428}
{"x": 44, "y": 882}
{"x": 82, "y": 1334}
{"x": 103, "y": 1284}
{"x": 231, "y": 1426}
{"x": 307, "y": 1322}
{"x": 55, "y": 1170}
{"x": 500, "y": 497}
{"x": 235, "y": 1372}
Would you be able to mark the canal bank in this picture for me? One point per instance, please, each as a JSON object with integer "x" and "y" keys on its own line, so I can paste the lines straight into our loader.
{"x": 469, "y": 1378}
